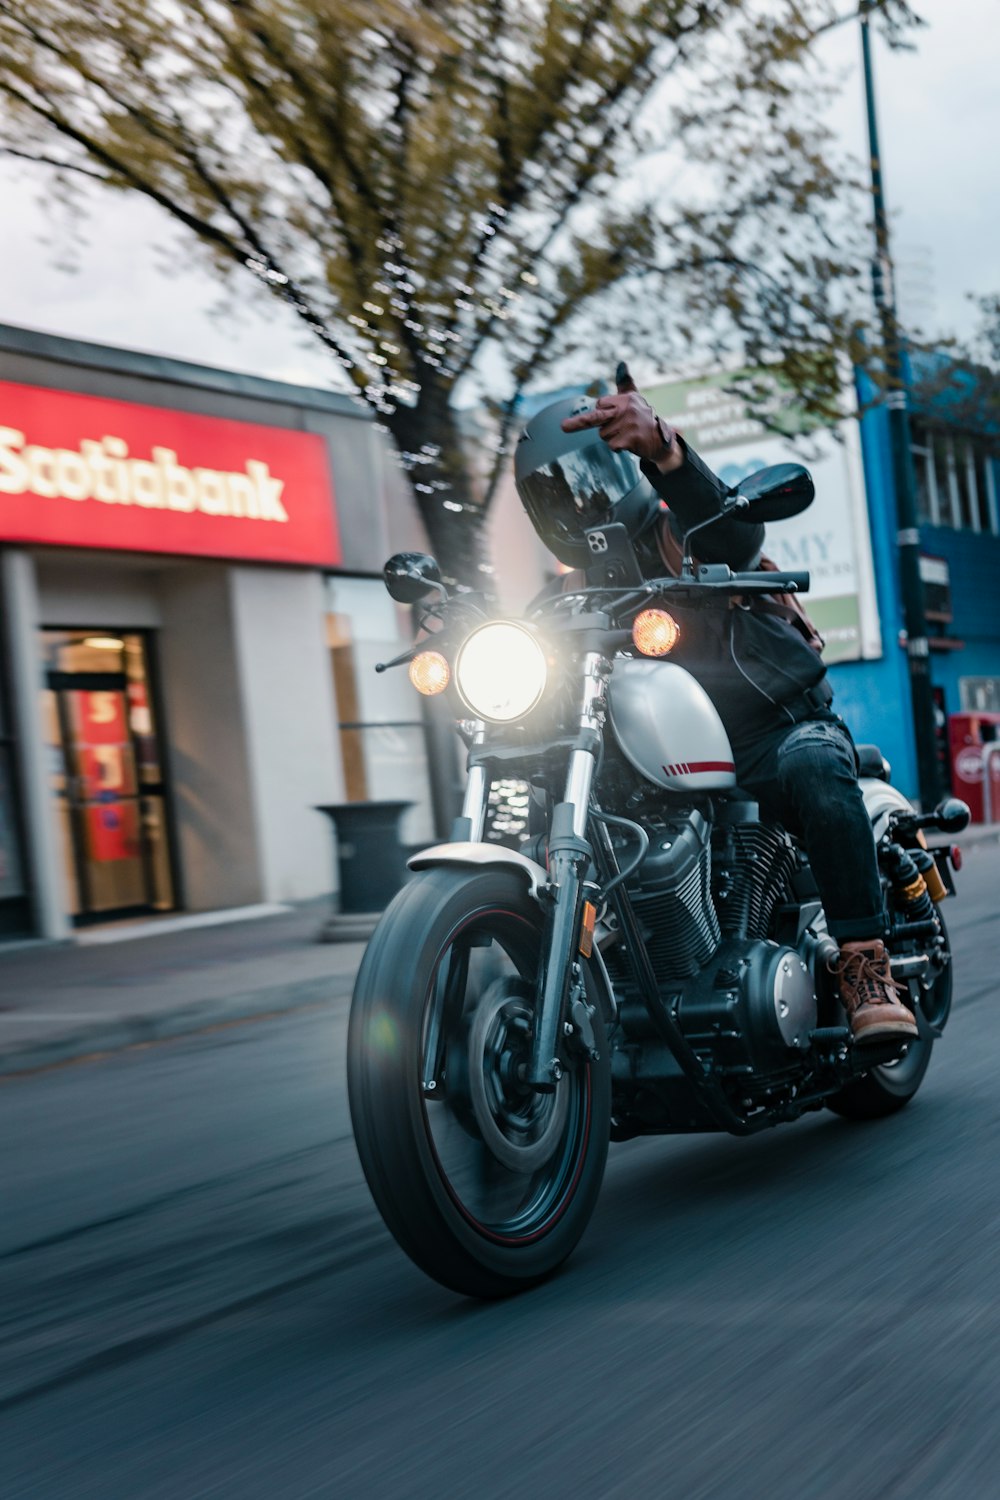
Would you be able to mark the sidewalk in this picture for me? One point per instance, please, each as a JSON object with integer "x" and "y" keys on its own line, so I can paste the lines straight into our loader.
{"x": 69, "y": 1000}
{"x": 61, "y": 1001}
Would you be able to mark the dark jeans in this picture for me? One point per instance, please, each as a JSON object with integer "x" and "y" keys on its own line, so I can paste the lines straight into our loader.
{"x": 805, "y": 777}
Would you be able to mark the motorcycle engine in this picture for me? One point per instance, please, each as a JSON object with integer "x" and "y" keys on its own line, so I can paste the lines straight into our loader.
{"x": 751, "y": 1009}
{"x": 741, "y": 998}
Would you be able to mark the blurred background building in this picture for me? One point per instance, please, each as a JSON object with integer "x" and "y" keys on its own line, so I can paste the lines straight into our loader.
{"x": 191, "y": 608}
{"x": 190, "y": 581}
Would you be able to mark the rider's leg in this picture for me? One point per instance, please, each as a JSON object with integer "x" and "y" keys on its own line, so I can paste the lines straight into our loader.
{"x": 812, "y": 788}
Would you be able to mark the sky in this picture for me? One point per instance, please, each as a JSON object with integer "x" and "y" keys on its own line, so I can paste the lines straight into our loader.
{"x": 136, "y": 286}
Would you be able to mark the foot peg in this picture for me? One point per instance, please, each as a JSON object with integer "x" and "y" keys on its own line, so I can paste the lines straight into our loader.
{"x": 830, "y": 1036}
{"x": 837, "y": 1043}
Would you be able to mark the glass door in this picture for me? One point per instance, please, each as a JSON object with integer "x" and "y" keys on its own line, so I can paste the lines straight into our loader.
{"x": 15, "y": 905}
{"x": 106, "y": 774}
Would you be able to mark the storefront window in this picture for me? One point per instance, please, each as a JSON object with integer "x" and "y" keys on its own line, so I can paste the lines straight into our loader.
{"x": 105, "y": 773}
{"x": 14, "y": 912}
{"x": 979, "y": 695}
{"x": 956, "y": 480}
{"x": 11, "y": 865}
{"x": 979, "y": 481}
{"x": 923, "y": 464}
{"x": 381, "y": 730}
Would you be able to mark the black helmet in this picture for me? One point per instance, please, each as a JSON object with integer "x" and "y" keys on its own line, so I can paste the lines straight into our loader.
{"x": 571, "y": 481}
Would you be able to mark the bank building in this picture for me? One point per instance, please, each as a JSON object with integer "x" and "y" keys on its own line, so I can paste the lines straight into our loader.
{"x": 191, "y": 608}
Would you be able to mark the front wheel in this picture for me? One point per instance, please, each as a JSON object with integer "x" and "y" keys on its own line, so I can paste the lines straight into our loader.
{"x": 486, "y": 1184}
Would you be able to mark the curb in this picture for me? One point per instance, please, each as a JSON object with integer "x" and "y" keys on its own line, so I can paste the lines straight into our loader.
{"x": 349, "y": 927}
{"x": 119, "y": 1032}
{"x": 977, "y": 833}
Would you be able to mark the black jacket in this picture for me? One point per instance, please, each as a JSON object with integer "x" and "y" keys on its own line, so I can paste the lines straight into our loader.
{"x": 756, "y": 665}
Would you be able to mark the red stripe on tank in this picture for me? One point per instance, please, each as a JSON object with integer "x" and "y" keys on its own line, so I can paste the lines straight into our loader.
{"x": 691, "y": 768}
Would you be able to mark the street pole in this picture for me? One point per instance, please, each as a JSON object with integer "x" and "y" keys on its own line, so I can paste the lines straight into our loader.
{"x": 907, "y": 534}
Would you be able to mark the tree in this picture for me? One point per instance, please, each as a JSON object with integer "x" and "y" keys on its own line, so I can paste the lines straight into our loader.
{"x": 420, "y": 179}
{"x": 958, "y": 381}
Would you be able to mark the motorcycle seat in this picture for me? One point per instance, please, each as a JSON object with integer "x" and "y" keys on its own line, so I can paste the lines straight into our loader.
{"x": 871, "y": 762}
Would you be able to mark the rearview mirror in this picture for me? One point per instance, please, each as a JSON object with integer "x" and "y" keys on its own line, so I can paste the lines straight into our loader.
{"x": 775, "y": 493}
{"x": 410, "y": 576}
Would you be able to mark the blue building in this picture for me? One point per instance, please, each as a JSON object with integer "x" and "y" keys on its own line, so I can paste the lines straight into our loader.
{"x": 957, "y": 463}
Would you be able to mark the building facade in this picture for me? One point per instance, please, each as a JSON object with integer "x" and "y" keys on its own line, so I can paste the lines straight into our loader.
{"x": 956, "y": 457}
{"x": 191, "y": 608}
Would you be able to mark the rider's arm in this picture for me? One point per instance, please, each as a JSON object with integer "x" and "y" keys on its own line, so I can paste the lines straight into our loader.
{"x": 694, "y": 493}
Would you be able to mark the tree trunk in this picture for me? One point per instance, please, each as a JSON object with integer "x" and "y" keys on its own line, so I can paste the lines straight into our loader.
{"x": 430, "y": 442}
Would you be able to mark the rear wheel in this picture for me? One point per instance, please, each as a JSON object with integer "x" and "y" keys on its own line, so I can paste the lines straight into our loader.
{"x": 485, "y": 1183}
{"x": 885, "y": 1089}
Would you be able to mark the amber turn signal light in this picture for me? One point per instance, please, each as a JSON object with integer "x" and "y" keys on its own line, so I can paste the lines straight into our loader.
{"x": 654, "y": 632}
{"x": 587, "y": 921}
{"x": 430, "y": 673}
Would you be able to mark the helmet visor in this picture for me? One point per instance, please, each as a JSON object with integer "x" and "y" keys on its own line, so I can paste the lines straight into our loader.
{"x": 580, "y": 488}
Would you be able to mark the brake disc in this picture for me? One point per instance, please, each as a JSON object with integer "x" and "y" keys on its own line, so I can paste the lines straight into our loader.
{"x": 519, "y": 1126}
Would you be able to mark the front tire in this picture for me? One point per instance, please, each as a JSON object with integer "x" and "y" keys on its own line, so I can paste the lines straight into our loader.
{"x": 487, "y": 1185}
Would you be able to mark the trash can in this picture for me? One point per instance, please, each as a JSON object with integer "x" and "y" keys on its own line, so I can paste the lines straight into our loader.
{"x": 370, "y": 856}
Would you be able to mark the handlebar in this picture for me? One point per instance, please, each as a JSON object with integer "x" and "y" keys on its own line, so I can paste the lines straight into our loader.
{"x": 717, "y": 578}
{"x": 800, "y": 582}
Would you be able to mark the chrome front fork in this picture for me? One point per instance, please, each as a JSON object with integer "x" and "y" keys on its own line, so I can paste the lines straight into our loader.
{"x": 477, "y": 789}
{"x": 568, "y": 858}
{"x": 582, "y": 762}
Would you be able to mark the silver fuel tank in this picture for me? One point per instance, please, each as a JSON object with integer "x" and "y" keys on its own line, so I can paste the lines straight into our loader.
{"x": 668, "y": 727}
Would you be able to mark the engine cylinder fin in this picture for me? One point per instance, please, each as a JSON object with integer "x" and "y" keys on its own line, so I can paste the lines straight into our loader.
{"x": 673, "y": 900}
{"x": 754, "y": 881}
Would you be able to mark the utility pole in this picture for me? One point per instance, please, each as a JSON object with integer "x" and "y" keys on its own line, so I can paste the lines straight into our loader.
{"x": 907, "y": 534}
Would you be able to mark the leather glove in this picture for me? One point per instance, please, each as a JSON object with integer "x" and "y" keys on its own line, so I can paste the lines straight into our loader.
{"x": 628, "y": 422}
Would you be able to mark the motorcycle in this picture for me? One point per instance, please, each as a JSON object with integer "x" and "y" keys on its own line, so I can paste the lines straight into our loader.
{"x": 652, "y": 959}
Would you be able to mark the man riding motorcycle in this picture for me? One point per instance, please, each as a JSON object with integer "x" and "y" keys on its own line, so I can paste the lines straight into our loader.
{"x": 758, "y": 661}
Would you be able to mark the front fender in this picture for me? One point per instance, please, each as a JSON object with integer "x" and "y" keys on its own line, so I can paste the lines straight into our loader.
{"x": 481, "y": 855}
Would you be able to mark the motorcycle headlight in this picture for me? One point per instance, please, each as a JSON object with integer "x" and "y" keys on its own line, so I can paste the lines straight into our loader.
{"x": 500, "y": 671}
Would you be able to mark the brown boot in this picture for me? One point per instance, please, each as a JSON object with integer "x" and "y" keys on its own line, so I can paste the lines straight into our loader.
{"x": 870, "y": 994}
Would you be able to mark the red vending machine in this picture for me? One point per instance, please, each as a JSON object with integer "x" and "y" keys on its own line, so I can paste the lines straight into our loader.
{"x": 969, "y": 736}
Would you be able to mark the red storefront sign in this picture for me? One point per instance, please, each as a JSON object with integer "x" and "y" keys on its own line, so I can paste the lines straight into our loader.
{"x": 79, "y": 471}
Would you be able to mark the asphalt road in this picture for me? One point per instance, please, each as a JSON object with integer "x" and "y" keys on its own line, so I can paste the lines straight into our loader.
{"x": 199, "y": 1300}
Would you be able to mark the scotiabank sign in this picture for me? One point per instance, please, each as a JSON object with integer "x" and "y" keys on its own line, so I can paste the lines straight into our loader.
{"x": 79, "y": 471}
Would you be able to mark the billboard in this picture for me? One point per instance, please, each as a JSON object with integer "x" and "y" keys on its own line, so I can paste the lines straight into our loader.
{"x": 831, "y": 538}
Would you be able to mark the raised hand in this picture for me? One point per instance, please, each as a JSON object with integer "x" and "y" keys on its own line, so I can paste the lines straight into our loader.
{"x": 629, "y": 424}
{"x": 623, "y": 379}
